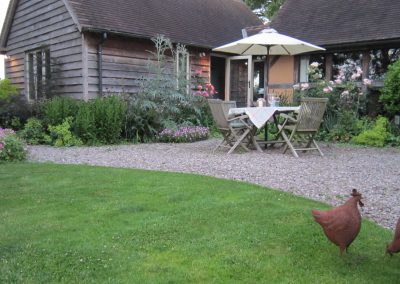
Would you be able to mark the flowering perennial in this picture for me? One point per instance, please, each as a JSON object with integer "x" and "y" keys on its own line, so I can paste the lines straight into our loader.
{"x": 11, "y": 147}
{"x": 206, "y": 90}
{"x": 4, "y": 132}
{"x": 183, "y": 134}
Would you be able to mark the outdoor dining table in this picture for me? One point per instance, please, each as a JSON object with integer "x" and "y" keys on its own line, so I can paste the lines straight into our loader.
{"x": 259, "y": 116}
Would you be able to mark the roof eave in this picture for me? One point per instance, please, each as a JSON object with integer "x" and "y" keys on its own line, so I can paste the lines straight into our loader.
{"x": 363, "y": 45}
{"x": 92, "y": 29}
{"x": 7, "y": 25}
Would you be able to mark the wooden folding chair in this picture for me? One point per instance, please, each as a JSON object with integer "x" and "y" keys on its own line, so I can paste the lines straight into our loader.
{"x": 298, "y": 132}
{"x": 235, "y": 130}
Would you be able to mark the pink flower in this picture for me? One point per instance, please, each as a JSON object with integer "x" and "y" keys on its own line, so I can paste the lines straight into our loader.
{"x": 344, "y": 94}
{"x": 355, "y": 76}
{"x": 199, "y": 93}
{"x": 328, "y": 89}
{"x": 199, "y": 87}
{"x": 367, "y": 82}
{"x": 338, "y": 81}
{"x": 205, "y": 94}
{"x": 304, "y": 86}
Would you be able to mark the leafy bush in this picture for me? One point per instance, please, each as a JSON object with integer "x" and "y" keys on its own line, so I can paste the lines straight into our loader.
{"x": 11, "y": 147}
{"x": 184, "y": 134}
{"x": 394, "y": 135}
{"x": 98, "y": 121}
{"x": 13, "y": 107}
{"x": 57, "y": 109}
{"x": 142, "y": 122}
{"x": 34, "y": 132}
{"x": 347, "y": 126}
{"x": 7, "y": 90}
{"x": 85, "y": 126}
{"x": 62, "y": 135}
{"x": 109, "y": 118}
{"x": 390, "y": 94}
{"x": 374, "y": 137}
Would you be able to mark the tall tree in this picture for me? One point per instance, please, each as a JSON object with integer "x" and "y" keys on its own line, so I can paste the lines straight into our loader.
{"x": 265, "y": 8}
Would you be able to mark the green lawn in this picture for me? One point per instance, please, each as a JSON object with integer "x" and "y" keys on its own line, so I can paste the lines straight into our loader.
{"x": 90, "y": 224}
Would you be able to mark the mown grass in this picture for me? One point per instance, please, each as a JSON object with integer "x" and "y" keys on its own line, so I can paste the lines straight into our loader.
{"x": 85, "y": 224}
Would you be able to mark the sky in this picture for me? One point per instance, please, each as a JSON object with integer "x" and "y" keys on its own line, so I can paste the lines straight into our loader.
{"x": 3, "y": 11}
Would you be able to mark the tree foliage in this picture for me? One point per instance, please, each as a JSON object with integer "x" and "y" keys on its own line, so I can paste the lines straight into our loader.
{"x": 266, "y": 8}
{"x": 390, "y": 94}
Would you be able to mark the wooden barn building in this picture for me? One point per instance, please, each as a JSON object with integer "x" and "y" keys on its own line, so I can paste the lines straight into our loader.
{"x": 90, "y": 47}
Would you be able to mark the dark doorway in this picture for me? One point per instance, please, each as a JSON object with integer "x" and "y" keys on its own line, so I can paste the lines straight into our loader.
{"x": 218, "y": 76}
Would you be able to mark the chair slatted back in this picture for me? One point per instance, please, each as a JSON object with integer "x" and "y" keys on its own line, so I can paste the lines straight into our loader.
{"x": 219, "y": 111}
{"x": 311, "y": 113}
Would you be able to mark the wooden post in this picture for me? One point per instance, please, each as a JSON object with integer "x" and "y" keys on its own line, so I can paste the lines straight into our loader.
{"x": 366, "y": 58}
{"x": 328, "y": 67}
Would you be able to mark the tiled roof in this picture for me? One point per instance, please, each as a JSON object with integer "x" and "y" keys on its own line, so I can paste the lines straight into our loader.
{"x": 205, "y": 23}
{"x": 339, "y": 22}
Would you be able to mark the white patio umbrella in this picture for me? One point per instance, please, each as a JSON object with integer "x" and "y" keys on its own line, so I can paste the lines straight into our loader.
{"x": 268, "y": 42}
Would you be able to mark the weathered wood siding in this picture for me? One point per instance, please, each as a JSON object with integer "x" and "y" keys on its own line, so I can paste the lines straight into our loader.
{"x": 46, "y": 22}
{"x": 125, "y": 63}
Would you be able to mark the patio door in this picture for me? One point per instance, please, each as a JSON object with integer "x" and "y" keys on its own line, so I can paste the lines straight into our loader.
{"x": 239, "y": 80}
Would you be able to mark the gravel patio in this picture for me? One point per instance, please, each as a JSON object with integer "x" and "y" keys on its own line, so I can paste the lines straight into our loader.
{"x": 374, "y": 172}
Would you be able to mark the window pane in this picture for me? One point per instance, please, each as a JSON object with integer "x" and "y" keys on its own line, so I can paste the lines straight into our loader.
{"x": 304, "y": 62}
{"x": 31, "y": 78}
{"x": 380, "y": 60}
{"x": 39, "y": 74}
{"x": 349, "y": 63}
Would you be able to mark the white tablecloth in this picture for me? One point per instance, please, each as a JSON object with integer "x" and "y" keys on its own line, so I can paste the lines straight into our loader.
{"x": 260, "y": 115}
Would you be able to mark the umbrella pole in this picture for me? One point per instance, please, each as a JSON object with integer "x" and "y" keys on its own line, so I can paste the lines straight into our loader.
{"x": 267, "y": 75}
{"x": 266, "y": 95}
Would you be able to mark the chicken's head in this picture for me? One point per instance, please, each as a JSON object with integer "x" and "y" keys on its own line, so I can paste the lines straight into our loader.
{"x": 357, "y": 196}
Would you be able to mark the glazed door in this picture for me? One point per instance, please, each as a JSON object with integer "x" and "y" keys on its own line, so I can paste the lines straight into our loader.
{"x": 239, "y": 83}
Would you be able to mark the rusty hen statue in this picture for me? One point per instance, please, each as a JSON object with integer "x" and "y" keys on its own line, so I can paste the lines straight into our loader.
{"x": 343, "y": 223}
{"x": 394, "y": 247}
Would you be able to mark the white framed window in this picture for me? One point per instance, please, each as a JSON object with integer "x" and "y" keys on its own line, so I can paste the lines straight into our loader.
{"x": 37, "y": 66}
{"x": 182, "y": 69}
{"x": 303, "y": 69}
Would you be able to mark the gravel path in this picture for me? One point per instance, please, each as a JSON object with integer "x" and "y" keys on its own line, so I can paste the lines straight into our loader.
{"x": 374, "y": 172}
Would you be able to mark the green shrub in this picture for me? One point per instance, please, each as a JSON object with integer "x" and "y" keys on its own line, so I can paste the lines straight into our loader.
{"x": 85, "y": 125}
{"x": 34, "y": 132}
{"x": 142, "y": 123}
{"x": 7, "y": 90}
{"x": 109, "y": 117}
{"x": 375, "y": 136}
{"x": 347, "y": 126}
{"x": 13, "y": 107}
{"x": 57, "y": 109}
{"x": 11, "y": 147}
{"x": 394, "y": 135}
{"x": 390, "y": 94}
{"x": 62, "y": 135}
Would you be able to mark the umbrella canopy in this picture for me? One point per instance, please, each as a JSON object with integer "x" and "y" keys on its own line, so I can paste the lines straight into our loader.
{"x": 268, "y": 42}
